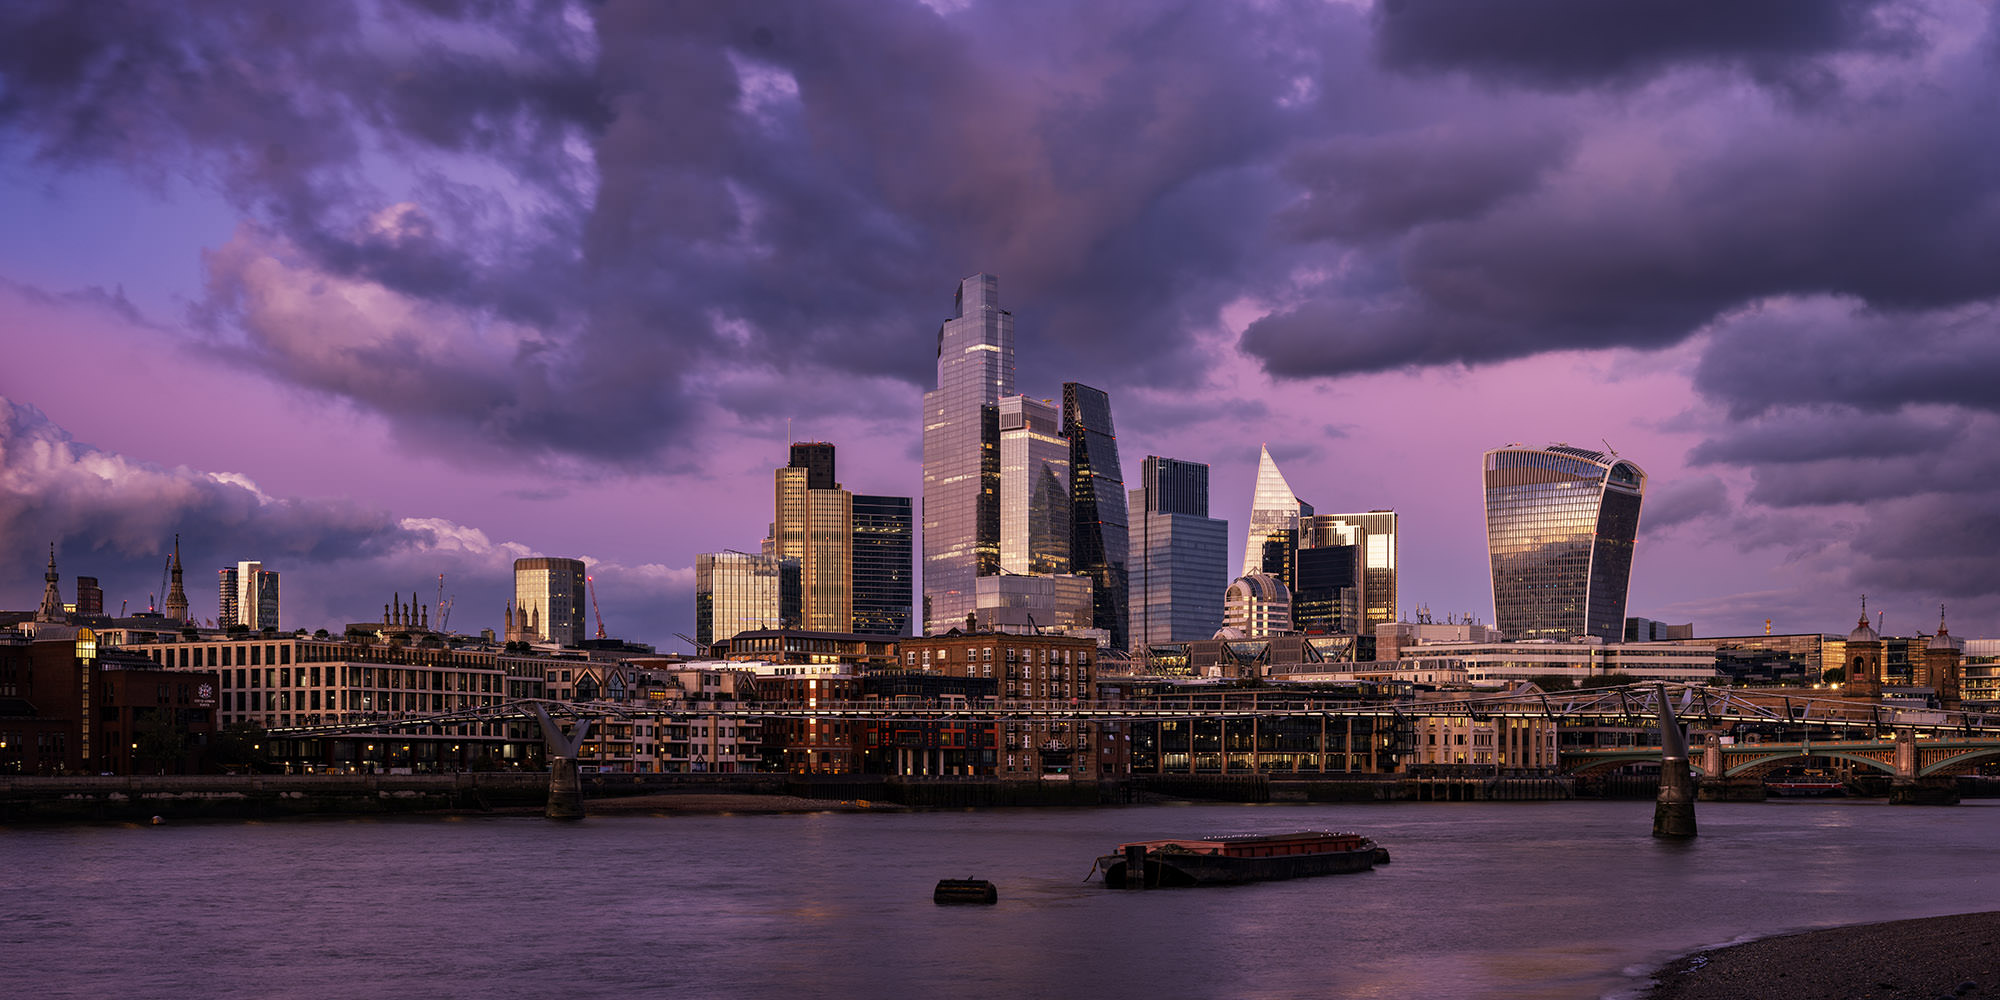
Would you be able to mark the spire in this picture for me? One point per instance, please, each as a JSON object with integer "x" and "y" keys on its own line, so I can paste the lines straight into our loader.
{"x": 52, "y": 609}
{"x": 1942, "y": 631}
{"x": 177, "y": 600}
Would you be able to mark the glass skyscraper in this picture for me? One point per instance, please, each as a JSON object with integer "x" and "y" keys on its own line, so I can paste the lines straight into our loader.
{"x": 1180, "y": 556}
{"x": 1274, "y": 521}
{"x": 1376, "y": 535}
{"x": 883, "y": 533}
{"x": 1034, "y": 488}
{"x": 551, "y": 592}
{"x": 1560, "y": 523}
{"x": 815, "y": 525}
{"x": 975, "y": 368}
{"x": 1099, "y": 540}
{"x": 738, "y": 592}
{"x": 249, "y": 597}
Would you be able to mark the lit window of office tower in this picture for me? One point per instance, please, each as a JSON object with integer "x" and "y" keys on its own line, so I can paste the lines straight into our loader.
{"x": 815, "y": 525}
{"x": 1560, "y": 523}
{"x": 883, "y": 566}
{"x": 737, "y": 592}
{"x": 247, "y": 596}
{"x": 1274, "y": 522}
{"x": 1034, "y": 488}
{"x": 550, "y": 592}
{"x": 1375, "y": 533}
{"x": 975, "y": 368}
{"x": 1180, "y": 556}
{"x": 1099, "y": 537}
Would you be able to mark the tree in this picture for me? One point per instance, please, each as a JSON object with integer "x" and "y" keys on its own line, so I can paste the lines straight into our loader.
{"x": 160, "y": 744}
{"x": 240, "y": 747}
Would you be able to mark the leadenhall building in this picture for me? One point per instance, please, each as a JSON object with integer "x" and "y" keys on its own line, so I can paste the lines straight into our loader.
{"x": 1560, "y": 523}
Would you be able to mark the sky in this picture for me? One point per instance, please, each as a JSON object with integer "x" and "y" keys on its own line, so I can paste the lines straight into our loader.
{"x": 374, "y": 292}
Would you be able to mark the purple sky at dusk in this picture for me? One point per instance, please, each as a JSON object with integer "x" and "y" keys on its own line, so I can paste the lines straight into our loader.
{"x": 376, "y": 292}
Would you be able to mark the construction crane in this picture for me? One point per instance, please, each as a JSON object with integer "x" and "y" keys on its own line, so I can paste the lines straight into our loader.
{"x": 444, "y": 606}
{"x": 594, "y": 609}
{"x": 699, "y": 649}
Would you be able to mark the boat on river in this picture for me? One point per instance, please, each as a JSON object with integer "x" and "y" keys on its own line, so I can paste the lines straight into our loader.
{"x": 1794, "y": 784}
{"x": 1230, "y": 860}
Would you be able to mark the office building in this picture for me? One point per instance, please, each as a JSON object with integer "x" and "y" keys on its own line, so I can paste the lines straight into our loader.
{"x": 1560, "y": 523}
{"x": 89, "y": 597}
{"x": 1179, "y": 565}
{"x": 1255, "y": 606}
{"x": 1375, "y": 532}
{"x": 737, "y": 592}
{"x": 248, "y": 596}
{"x": 815, "y": 527}
{"x": 1326, "y": 590}
{"x": 1049, "y": 602}
{"x": 1274, "y": 521}
{"x": 1034, "y": 488}
{"x": 975, "y": 368}
{"x": 1100, "y": 540}
{"x": 551, "y": 592}
{"x": 884, "y": 582}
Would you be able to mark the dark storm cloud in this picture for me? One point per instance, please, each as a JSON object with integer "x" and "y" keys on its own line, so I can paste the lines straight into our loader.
{"x": 1571, "y": 43}
{"x": 1838, "y": 353}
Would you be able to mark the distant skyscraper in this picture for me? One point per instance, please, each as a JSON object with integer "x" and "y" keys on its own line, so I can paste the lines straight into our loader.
{"x": 816, "y": 527}
{"x": 975, "y": 368}
{"x": 1274, "y": 521}
{"x": 176, "y": 604}
{"x": 736, "y": 592}
{"x": 551, "y": 592}
{"x": 884, "y": 537}
{"x": 247, "y": 596}
{"x": 1326, "y": 589}
{"x": 1560, "y": 523}
{"x": 1100, "y": 539}
{"x": 1377, "y": 538}
{"x": 1180, "y": 556}
{"x": 1034, "y": 488}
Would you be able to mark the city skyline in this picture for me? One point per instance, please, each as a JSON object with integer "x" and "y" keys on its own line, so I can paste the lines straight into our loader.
{"x": 379, "y": 316}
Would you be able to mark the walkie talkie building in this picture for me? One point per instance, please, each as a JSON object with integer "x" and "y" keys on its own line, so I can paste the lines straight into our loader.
{"x": 1560, "y": 523}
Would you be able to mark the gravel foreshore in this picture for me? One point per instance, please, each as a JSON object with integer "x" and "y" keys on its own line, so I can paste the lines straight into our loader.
{"x": 1923, "y": 959}
{"x": 713, "y": 802}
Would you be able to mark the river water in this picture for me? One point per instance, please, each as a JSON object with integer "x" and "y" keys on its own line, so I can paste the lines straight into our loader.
{"x": 1555, "y": 900}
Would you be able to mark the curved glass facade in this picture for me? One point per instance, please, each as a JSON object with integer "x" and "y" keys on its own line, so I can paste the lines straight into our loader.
{"x": 1560, "y": 524}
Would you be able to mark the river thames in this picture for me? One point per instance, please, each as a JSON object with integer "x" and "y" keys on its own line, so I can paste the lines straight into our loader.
{"x": 1545, "y": 900}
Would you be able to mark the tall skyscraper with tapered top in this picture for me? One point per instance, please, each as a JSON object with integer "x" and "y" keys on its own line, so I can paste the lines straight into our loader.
{"x": 1100, "y": 540}
{"x": 961, "y": 512}
{"x": 1560, "y": 523}
{"x": 1274, "y": 521}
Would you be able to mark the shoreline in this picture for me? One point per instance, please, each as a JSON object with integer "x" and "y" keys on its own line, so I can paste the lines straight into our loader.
{"x": 1917, "y": 959}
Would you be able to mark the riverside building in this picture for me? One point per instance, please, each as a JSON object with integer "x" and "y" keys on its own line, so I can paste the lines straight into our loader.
{"x": 1560, "y": 524}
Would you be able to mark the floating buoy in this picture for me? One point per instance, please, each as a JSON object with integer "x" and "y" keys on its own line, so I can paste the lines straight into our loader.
{"x": 965, "y": 890}
{"x": 159, "y": 820}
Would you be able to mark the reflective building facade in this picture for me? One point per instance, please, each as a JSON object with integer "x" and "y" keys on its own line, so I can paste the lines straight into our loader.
{"x": 1560, "y": 523}
{"x": 975, "y": 368}
{"x": 815, "y": 526}
{"x": 884, "y": 536}
{"x": 247, "y": 596}
{"x": 551, "y": 593}
{"x": 1099, "y": 539}
{"x": 1274, "y": 521}
{"x": 1179, "y": 563}
{"x": 1034, "y": 488}
{"x": 1375, "y": 532}
{"x": 737, "y": 592}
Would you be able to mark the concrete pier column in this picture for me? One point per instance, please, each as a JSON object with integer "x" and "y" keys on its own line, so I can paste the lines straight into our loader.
{"x": 565, "y": 789}
{"x": 1712, "y": 767}
{"x": 1673, "y": 812}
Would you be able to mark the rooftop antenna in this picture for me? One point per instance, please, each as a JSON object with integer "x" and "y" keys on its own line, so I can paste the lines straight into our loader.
{"x": 1607, "y": 447}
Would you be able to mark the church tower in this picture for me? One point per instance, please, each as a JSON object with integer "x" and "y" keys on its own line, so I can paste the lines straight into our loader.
{"x": 1863, "y": 654}
{"x": 1943, "y": 670}
{"x": 52, "y": 609}
{"x": 177, "y": 598}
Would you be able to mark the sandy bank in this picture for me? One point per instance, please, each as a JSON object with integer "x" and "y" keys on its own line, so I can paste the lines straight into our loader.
{"x": 697, "y": 803}
{"x": 1916, "y": 959}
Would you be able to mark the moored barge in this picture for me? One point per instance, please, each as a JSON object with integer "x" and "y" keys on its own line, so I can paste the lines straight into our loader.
{"x": 1235, "y": 859}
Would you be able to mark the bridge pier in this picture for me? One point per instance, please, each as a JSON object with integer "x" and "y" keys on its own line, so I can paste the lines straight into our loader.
{"x": 1732, "y": 789}
{"x": 1673, "y": 811}
{"x": 565, "y": 789}
{"x": 1933, "y": 791}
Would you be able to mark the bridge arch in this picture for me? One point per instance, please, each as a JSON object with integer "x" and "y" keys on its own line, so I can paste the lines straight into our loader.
{"x": 1764, "y": 762}
{"x": 1957, "y": 759}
